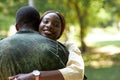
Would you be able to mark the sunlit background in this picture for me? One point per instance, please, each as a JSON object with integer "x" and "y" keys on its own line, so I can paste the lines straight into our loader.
{"x": 93, "y": 25}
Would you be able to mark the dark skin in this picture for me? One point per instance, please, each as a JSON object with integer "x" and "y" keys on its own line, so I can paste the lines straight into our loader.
{"x": 45, "y": 75}
{"x": 50, "y": 27}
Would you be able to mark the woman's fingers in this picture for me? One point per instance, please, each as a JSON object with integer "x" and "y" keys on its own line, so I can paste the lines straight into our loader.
{"x": 13, "y": 77}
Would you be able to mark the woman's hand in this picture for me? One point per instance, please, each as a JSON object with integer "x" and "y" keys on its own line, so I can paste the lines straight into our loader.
{"x": 28, "y": 76}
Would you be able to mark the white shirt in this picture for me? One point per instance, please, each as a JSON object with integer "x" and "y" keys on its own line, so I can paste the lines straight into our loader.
{"x": 75, "y": 66}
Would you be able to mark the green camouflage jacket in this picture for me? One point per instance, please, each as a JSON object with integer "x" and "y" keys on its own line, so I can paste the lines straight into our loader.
{"x": 27, "y": 50}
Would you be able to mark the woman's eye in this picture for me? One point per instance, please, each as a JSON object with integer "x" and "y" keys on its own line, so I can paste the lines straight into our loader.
{"x": 57, "y": 25}
{"x": 45, "y": 21}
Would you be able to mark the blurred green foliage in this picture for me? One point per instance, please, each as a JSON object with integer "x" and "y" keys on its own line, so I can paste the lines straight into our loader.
{"x": 8, "y": 8}
{"x": 83, "y": 13}
{"x": 6, "y": 21}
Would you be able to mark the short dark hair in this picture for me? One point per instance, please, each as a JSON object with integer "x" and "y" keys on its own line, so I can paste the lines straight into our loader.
{"x": 28, "y": 16}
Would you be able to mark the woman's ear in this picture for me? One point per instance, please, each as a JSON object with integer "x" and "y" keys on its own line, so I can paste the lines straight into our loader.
{"x": 17, "y": 27}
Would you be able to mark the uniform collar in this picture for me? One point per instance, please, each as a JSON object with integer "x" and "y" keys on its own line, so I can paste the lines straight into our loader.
{"x": 26, "y": 31}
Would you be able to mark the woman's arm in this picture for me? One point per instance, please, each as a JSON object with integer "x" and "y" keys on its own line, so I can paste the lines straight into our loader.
{"x": 75, "y": 65}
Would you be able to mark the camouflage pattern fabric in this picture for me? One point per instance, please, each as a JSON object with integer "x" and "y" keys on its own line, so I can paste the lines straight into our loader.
{"x": 27, "y": 51}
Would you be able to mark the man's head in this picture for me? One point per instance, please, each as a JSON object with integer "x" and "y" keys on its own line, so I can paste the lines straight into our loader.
{"x": 27, "y": 17}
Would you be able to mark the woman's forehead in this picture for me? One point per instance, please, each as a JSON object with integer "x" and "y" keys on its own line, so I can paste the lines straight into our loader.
{"x": 52, "y": 15}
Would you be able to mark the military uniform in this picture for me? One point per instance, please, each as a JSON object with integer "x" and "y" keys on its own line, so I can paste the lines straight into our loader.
{"x": 28, "y": 50}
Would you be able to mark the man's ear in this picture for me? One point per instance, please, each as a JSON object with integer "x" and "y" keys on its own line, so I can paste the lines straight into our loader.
{"x": 17, "y": 27}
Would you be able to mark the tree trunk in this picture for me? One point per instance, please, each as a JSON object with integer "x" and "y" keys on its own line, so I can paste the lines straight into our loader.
{"x": 82, "y": 28}
{"x": 31, "y": 3}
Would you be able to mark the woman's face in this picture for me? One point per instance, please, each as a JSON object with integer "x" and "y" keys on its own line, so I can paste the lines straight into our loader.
{"x": 50, "y": 26}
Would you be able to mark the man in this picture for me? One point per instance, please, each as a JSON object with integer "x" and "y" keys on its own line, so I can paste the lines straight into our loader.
{"x": 27, "y": 50}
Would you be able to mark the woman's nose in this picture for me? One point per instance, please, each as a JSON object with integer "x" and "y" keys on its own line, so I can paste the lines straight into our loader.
{"x": 49, "y": 25}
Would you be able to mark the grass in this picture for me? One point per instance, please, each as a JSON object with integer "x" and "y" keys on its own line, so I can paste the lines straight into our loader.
{"x": 102, "y": 61}
{"x": 101, "y": 66}
{"x": 110, "y": 73}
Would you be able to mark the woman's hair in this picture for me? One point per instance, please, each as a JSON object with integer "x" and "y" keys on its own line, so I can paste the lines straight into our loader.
{"x": 61, "y": 19}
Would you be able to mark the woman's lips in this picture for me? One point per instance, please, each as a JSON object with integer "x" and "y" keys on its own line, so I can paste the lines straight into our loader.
{"x": 47, "y": 32}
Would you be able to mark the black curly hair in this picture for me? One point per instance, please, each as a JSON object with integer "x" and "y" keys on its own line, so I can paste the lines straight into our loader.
{"x": 28, "y": 16}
